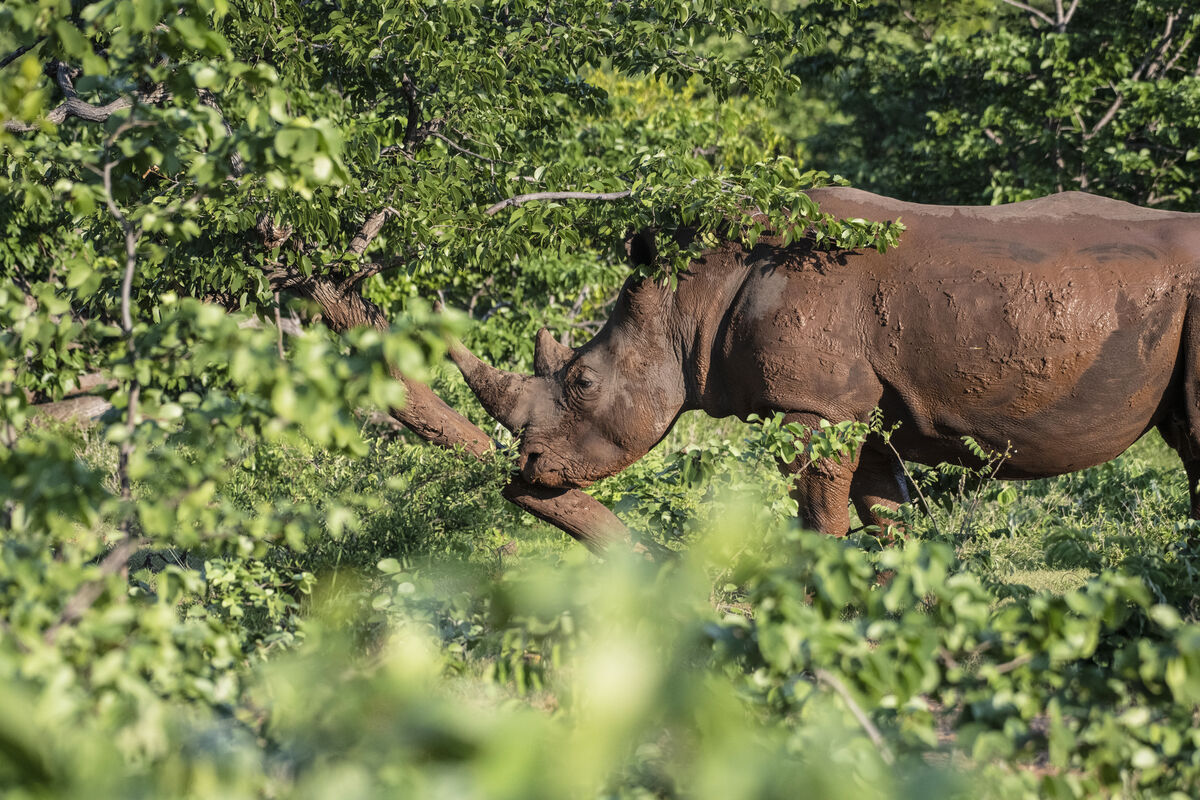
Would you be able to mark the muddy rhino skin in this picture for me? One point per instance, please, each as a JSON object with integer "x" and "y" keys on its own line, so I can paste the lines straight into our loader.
{"x": 1062, "y": 329}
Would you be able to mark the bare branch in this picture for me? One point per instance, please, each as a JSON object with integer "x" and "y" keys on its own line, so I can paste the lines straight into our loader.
{"x": 411, "y": 127}
{"x": 235, "y": 160}
{"x": 371, "y": 270}
{"x": 456, "y": 146}
{"x": 20, "y": 51}
{"x": 130, "y": 249}
{"x": 115, "y": 562}
{"x": 835, "y": 683}
{"x": 127, "y": 446}
{"x": 64, "y": 75}
{"x": 370, "y": 230}
{"x": 395, "y": 150}
{"x": 1158, "y": 200}
{"x": 521, "y": 199}
{"x": 1019, "y": 661}
{"x": 492, "y": 311}
{"x": 1039, "y": 14}
{"x": 1154, "y": 59}
{"x": 1066, "y": 18}
{"x": 362, "y": 240}
{"x": 1108, "y": 115}
{"x": 1170, "y": 65}
{"x": 74, "y": 107}
{"x": 1148, "y": 69}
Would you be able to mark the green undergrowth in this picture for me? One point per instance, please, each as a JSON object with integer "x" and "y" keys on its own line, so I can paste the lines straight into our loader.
{"x": 1033, "y": 639}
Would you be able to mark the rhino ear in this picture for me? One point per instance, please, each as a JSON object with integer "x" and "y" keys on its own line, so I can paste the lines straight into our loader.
{"x": 647, "y": 300}
{"x": 642, "y": 249}
{"x": 548, "y": 355}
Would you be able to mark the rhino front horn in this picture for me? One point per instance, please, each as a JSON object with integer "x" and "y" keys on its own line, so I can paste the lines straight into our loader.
{"x": 548, "y": 355}
{"x": 502, "y": 394}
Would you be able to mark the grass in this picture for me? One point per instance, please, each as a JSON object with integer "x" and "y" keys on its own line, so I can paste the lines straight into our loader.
{"x": 1054, "y": 581}
{"x": 1057, "y": 533}
{"x": 1127, "y": 514}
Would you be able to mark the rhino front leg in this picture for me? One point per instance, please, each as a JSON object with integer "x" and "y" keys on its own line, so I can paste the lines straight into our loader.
{"x": 879, "y": 481}
{"x": 821, "y": 489}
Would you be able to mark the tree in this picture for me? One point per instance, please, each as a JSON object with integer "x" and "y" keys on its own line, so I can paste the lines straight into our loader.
{"x": 363, "y": 159}
{"x": 1013, "y": 99}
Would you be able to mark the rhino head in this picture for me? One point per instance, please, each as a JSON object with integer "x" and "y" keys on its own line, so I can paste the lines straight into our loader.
{"x": 588, "y": 413}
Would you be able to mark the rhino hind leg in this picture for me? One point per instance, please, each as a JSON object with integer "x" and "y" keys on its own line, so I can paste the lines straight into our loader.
{"x": 1181, "y": 428}
{"x": 1184, "y": 439}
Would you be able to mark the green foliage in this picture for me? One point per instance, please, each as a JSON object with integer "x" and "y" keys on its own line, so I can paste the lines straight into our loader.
{"x": 315, "y": 606}
{"x": 737, "y": 671}
{"x": 980, "y": 102}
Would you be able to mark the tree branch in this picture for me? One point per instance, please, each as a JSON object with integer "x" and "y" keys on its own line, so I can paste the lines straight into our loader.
{"x": 370, "y": 230}
{"x": 1039, "y": 14}
{"x": 118, "y": 558}
{"x": 1154, "y": 59}
{"x": 86, "y": 595}
{"x": 130, "y": 249}
{"x": 374, "y": 268}
{"x": 1170, "y": 65}
{"x": 20, "y": 51}
{"x": 521, "y": 199}
{"x": 1065, "y": 19}
{"x": 411, "y": 127}
{"x": 74, "y": 107}
{"x": 577, "y": 513}
{"x": 235, "y": 160}
{"x": 458, "y": 147}
{"x": 835, "y": 683}
{"x": 1019, "y": 661}
{"x": 1108, "y": 115}
{"x": 1148, "y": 68}
{"x": 343, "y": 307}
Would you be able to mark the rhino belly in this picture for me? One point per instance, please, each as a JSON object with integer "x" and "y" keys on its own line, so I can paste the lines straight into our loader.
{"x": 1065, "y": 374}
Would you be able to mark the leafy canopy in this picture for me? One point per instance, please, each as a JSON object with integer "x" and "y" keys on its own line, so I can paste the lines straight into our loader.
{"x": 993, "y": 102}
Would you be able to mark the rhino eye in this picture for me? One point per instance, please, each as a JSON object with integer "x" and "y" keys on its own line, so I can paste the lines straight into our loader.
{"x": 583, "y": 382}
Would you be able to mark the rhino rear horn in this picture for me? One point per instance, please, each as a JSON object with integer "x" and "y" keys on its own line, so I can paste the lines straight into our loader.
{"x": 502, "y": 394}
{"x": 548, "y": 355}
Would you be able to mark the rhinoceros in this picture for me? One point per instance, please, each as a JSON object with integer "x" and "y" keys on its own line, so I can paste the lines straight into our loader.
{"x": 1060, "y": 329}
